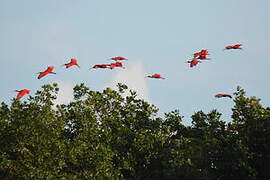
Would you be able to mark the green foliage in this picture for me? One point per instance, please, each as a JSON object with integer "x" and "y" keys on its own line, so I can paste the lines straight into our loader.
{"x": 106, "y": 135}
{"x": 252, "y": 123}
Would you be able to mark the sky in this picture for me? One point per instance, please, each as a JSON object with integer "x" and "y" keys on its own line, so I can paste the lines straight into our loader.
{"x": 156, "y": 36}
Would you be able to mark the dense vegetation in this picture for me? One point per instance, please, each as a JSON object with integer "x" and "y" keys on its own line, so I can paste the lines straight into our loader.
{"x": 104, "y": 135}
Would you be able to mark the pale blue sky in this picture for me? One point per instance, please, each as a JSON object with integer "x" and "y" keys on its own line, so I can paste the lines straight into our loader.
{"x": 160, "y": 35}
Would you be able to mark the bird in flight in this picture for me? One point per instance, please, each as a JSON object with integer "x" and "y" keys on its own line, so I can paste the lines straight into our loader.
{"x": 203, "y": 52}
{"x": 202, "y": 57}
{"x": 112, "y": 66}
{"x": 21, "y": 93}
{"x": 156, "y": 76}
{"x": 49, "y": 70}
{"x": 102, "y": 66}
{"x": 72, "y": 62}
{"x": 116, "y": 64}
{"x": 237, "y": 46}
{"x": 193, "y": 62}
{"x": 223, "y": 95}
{"x": 118, "y": 58}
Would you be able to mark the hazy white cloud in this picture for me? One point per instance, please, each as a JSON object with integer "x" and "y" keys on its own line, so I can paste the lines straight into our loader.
{"x": 65, "y": 94}
{"x": 134, "y": 77}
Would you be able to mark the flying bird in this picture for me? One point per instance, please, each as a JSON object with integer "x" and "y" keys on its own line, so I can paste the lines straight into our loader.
{"x": 118, "y": 58}
{"x": 193, "y": 62}
{"x": 72, "y": 62}
{"x": 102, "y": 66}
{"x": 156, "y": 76}
{"x": 196, "y": 54}
{"x": 21, "y": 93}
{"x": 203, "y": 52}
{"x": 237, "y": 46}
{"x": 223, "y": 95}
{"x": 47, "y": 71}
{"x": 203, "y": 57}
{"x": 112, "y": 66}
{"x": 117, "y": 64}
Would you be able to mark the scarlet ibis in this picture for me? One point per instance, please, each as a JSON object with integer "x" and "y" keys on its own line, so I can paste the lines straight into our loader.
{"x": 223, "y": 95}
{"x": 203, "y": 57}
{"x": 203, "y": 52}
{"x": 118, "y": 58}
{"x": 112, "y": 66}
{"x": 156, "y": 76}
{"x": 72, "y": 62}
{"x": 116, "y": 64}
{"x": 237, "y": 46}
{"x": 47, "y": 71}
{"x": 196, "y": 54}
{"x": 102, "y": 66}
{"x": 193, "y": 62}
{"x": 21, "y": 93}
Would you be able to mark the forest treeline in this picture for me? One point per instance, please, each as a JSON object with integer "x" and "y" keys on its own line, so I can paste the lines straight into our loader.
{"x": 105, "y": 135}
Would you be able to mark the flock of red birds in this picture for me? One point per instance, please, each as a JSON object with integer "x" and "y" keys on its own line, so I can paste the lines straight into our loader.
{"x": 197, "y": 58}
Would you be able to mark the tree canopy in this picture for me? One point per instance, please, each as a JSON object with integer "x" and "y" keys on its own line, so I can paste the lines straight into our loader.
{"x": 105, "y": 135}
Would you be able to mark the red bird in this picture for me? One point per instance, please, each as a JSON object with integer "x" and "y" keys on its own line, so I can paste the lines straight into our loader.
{"x": 223, "y": 95}
{"x": 196, "y": 54}
{"x": 156, "y": 76}
{"x": 21, "y": 93}
{"x": 237, "y": 46}
{"x": 118, "y": 58}
{"x": 193, "y": 62}
{"x": 72, "y": 62}
{"x": 203, "y": 52}
{"x": 47, "y": 71}
{"x": 102, "y": 66}
{"x": 117, "y": 64}
{"x": 203, "y": 57}
{"x": 112, "y": 66}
